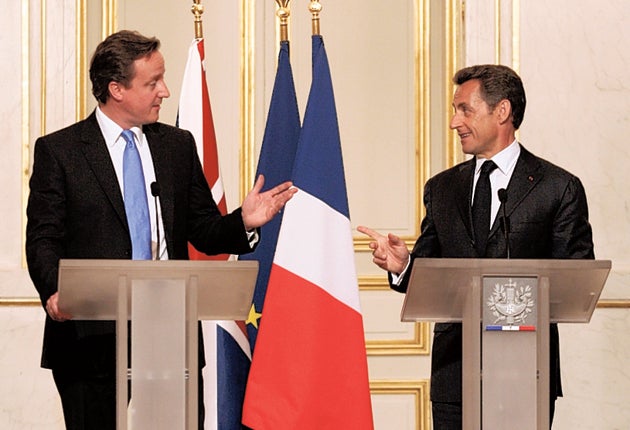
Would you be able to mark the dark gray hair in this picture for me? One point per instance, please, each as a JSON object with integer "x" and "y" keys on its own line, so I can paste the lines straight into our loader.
{"x": 496, "y": 83}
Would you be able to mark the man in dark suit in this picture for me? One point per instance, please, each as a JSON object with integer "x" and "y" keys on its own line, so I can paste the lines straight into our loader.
{"x": 546, "y": 207}
{"x": 76, "y": 209}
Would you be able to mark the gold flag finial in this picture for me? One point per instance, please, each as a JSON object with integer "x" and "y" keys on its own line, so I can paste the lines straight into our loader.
{"x": 315, "y": 9}
{"x": 283, "y": 13}
{"x": 197, "y": 10}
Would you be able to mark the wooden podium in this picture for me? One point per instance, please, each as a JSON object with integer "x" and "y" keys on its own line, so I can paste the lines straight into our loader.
{"x": 164, "y": 301}
{"x": 505, "y": 307}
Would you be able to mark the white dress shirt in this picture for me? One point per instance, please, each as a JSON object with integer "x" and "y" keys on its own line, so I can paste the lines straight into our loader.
{"x": 499, "y": 178}
{"x": 116, "y": 147}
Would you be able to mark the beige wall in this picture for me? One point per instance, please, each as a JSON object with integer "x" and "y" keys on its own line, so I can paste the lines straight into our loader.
{"x": 389, "y": 62}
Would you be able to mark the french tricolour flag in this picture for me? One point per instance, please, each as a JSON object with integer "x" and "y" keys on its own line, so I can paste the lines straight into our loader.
{"x": 309, "y": 369}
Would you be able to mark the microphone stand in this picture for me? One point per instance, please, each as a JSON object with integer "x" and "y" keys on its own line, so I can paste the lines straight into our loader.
{"x": 155, "y": 192}
{"x": 505, "y": 222}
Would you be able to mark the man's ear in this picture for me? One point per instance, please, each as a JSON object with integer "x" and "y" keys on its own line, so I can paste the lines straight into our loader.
{"x": 115, "y": 90}
{"x": 503, "y": 111}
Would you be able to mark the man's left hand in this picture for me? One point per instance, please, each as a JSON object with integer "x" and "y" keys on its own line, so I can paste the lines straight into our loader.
{"x": 259, "y": 208}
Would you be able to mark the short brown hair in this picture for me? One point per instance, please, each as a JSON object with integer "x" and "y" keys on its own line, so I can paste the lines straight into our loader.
{"x": 113, "y": 60}
{"x": 496, "y": 83}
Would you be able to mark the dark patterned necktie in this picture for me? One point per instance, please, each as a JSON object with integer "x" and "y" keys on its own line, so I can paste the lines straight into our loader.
{"x": 481, "y": 207}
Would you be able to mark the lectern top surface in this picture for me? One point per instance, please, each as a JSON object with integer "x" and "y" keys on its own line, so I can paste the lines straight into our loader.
{"x": 438, "y": 287}
{"x": 89, "y": 289}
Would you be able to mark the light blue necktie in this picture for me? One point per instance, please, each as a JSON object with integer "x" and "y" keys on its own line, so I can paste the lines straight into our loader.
{"x": 136, "y": 204}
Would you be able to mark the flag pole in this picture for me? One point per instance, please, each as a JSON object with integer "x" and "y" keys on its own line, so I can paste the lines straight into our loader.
{"x": 283, "y": 13}
{"x": 197, "y": 10}
{"x": 315, "y": 9}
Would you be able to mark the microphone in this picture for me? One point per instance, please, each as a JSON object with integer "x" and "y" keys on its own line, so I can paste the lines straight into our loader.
{"x": 505, "y": 222}
{"x": 155, "y": 192}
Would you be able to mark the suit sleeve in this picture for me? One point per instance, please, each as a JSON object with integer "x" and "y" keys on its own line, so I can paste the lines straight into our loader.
{"x": 572, "y": 234}
{"x": 427, "y": 244}
{"x": 208, "y": 231}
{"x": 45, "y": 229}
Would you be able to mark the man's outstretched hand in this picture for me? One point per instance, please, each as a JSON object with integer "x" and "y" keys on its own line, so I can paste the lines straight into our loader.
{"x": 259, "y": 208}
{"x": 389, "y": 252}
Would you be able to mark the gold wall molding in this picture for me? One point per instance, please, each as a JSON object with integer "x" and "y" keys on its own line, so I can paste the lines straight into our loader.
{"x": 32, "y": 301}
{"x": 418, "y": 389}
{"x": 422, "y": 109}
{"x": 19, "y": 302}
{"x": 454, "y": 30}
{"x": 247, "y": 157}
{"x": 81, "y": 59}
{"x": 422, "y": 30}
{"x": 516, "y": 35}
{"x": 26, "y": 123}
{"x": 515, "y": 32}
{"x": 613, "y": 304}
{"x": 418, "y": 344}
{"x": 109, "y": 13}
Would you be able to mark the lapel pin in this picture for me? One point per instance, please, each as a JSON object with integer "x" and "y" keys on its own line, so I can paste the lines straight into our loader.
{"x": 531, "y": 178}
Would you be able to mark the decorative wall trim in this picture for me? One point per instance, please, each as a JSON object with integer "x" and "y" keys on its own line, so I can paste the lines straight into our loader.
{"x": 34, "y": 301}
{"x": 418, "y": 389}
{"x": 454, "y": 52}
{"x": 109, "y": 11}
{"x": 19, "y": 302}
{"x": 81, "y": 59}
{"x": 516, "y": 35}
{"x": 422, "y": 55}
{"x": 248, "y": 107}
{"x": 26, "y": 124}
{"x": 416, "y": 345}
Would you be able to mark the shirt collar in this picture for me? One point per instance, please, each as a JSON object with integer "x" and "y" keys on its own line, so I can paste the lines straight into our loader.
{"x": 505, "y": 159}
{"x": 112, "y": 131}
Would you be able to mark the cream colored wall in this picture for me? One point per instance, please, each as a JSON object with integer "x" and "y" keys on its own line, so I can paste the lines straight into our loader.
{"x": 388, "y": 64}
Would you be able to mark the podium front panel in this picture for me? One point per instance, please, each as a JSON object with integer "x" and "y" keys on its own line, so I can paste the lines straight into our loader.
{"x": 158, "y": 358}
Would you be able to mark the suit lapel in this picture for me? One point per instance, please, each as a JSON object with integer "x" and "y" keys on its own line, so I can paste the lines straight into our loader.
{"x": 463, "y": 195}
{"x": 95, "y": 151}
{"x": 527, "y": 174}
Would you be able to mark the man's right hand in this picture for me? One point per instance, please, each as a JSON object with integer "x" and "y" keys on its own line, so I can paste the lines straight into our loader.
{"x": 389, "y": 252}
{"x": 52, "y": 308}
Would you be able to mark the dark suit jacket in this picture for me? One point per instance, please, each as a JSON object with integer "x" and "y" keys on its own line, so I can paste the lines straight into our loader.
{"x": 76, "y": 210}
{"x": 548, "y": 215}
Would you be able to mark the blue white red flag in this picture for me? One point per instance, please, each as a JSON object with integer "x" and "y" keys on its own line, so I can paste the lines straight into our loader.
{"x": 309, "y": 369}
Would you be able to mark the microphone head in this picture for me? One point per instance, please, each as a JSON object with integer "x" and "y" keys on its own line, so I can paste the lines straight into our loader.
{"x": 502, "y": 195}
{"x": 155, "y": 189}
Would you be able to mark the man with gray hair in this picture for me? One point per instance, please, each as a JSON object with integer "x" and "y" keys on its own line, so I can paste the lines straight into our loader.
{"x": 546, "y": 206}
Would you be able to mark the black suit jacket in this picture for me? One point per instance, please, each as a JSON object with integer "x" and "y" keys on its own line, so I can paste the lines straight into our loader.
{"x": 548, "y": 216}
{"x": 76, "y": 210}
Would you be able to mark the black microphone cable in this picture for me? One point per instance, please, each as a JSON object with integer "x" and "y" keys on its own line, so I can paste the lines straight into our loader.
{"x": 155, "y": 192}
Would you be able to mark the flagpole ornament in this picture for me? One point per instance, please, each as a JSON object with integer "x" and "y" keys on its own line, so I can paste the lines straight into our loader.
{"x": 283, "y": 13}
{"x": 315, "y": 7}
{"x": 197, "y": 10}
